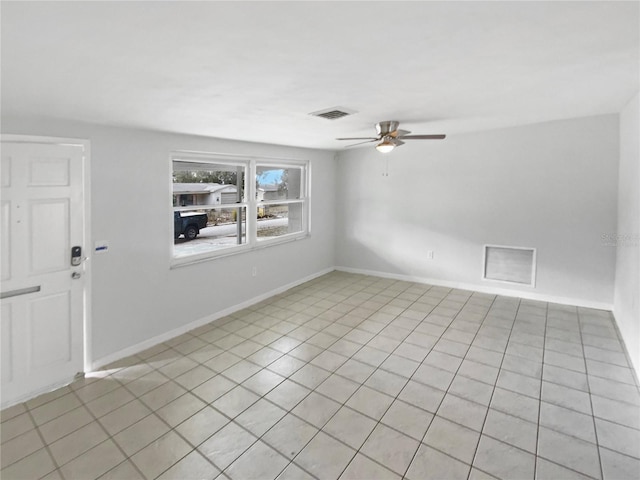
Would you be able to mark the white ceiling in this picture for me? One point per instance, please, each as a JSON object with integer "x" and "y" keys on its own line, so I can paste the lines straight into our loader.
{"x": 254, "y": 71}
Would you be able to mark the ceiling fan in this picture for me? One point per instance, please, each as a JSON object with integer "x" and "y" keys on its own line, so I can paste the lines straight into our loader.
{"x": 390, "y": 137}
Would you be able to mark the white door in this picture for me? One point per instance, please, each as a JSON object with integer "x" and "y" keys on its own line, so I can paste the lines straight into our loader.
{"x": 42, "y": 305}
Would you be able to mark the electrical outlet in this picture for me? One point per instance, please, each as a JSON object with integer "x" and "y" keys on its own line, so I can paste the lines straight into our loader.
{"x": 430, "y": 255}
{"x": 254, "y": 272}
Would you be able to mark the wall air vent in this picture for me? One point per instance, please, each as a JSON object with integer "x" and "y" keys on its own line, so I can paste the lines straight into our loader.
{"x": 333, "y": 113}
{"x": 510, "y": 264}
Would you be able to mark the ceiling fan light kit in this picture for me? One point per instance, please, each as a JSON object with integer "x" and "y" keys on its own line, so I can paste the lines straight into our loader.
{"x": 385, "y": 146}
{"x": 389, "y": 137}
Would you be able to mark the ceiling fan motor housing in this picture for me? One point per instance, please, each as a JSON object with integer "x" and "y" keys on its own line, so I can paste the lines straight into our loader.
{"x": 385, "y": 128}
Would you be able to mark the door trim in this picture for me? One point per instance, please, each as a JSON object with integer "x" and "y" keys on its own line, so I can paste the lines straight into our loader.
{"x": 85, "y": 145}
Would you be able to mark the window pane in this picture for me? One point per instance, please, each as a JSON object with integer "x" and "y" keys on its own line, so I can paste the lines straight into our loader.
{"x": 198, "y": 183}
{"x": 206, "y": 230}
{"x": 277, "y": 220}
{"x": 278, "y": 183}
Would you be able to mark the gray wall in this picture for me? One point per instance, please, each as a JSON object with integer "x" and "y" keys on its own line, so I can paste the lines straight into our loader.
{"x": 627, "y": 284}
{"x": 136, "y": 296}
{"x": 552, "y": 186}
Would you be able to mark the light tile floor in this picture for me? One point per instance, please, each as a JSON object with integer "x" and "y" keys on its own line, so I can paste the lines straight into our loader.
{"x": 352, "y": 377}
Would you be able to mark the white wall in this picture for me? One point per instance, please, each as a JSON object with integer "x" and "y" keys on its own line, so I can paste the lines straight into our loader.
{"x": 551, "y": 186}
{"x": 627, "y": 284}
{"x": 136, "y": 296}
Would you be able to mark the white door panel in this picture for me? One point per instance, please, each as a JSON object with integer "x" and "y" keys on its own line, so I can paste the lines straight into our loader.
{"x": 43, "y": 306}
{"x": 5, "y": 240}
{"x": 5, "y": 170}
{"x": 48, "y": 231}
{"x": 49, "y": 338}
{"x": 49, "y": 171}
{"x": 7, "y": 351}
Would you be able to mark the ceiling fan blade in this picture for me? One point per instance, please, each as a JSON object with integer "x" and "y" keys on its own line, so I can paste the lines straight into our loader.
{"x": 398, "y": 142}
{"x": 422, "y": 137}
{"x": 360, "y": 143}
{"x": 358, "y": 138}
{"x": 399, "y": 133}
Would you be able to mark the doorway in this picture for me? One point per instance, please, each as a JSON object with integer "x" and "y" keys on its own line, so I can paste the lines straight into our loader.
{"x": 45, "y": 276}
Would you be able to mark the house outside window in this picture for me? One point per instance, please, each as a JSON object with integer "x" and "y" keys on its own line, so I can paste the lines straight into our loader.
{"x": 228, "y": 204}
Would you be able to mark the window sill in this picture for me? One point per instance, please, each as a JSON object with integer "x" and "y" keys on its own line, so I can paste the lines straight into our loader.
{"x": 228, "y": 252}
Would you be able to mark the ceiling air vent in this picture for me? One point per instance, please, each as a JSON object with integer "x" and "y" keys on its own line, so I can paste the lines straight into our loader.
{"x": 333, "y": 113}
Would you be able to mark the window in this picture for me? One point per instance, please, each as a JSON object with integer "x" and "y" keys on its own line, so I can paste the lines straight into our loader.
{"x": 280, "y": 200}
{"x": 217, "y": 210}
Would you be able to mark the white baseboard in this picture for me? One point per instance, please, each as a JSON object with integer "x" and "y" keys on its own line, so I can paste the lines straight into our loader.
{"x": 96, "y": 364}
{"x": 634, "y": 362}
{"x": 483, "y": 289}
{"x": 139, "y": 347}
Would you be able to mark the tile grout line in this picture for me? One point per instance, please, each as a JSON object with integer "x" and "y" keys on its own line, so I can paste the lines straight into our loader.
{"x": 379, "y": 421}
{"x": 540, "y": 408}
{"x": 321, "y": 429}
{"x": 46, "y": 445}
{"x": 109, "y": 437}
{"x": 636, "y": 375}
{"x": 362, "y": 384}
{"x": 593, "y": 417}
{"x": 450, "y": 383}
{"x": 210, "y": 404}
{"x": 171, "y": 429}
{"x": 493, "y": 389}
{"x": 544, "y": 342}
{"x": 153, "y": 411}
{"x": 342, "y": 314}
{"x": 291, "y": 411}
{"x": 263, "y": 397}
{"x": 82, "y": 405}
{"x": 326, "y": 350}
{"x": 344, "y": 404}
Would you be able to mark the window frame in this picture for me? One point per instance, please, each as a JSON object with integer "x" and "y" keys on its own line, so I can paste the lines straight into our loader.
{"x": 301, "y": 200}
{"x": 250, "y": 202}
